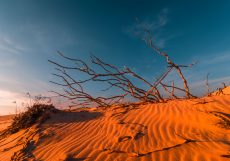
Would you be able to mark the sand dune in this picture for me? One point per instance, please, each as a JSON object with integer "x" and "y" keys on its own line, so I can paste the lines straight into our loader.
{"x": 5, "y": 121}
{"x": 179, "y": 130}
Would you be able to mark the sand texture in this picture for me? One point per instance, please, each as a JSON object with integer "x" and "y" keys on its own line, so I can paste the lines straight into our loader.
{"x": 5, "y": 121}
{"x": 179, "y": 130}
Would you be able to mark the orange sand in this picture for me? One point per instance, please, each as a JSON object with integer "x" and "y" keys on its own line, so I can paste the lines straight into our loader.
{"x": 5, "y": 121}
{"x": 180, "y": 130}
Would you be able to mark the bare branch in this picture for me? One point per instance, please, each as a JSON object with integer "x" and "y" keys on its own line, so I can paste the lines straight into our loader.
{"x": 113, "y": 76}
{"x": 149, "y": 41}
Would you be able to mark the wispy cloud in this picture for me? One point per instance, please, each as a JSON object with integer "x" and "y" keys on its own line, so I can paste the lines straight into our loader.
{"x": 9, "y": 46}
{"x": 155, "y": 26}
{"x": 10, "y": 50}
{"x": 219, "y": 80}
{"x": 216, "y": 58}
{"x": 159, "y": 22}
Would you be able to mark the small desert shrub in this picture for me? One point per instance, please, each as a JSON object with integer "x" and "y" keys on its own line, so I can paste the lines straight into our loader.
{"x": 37, "y": 113}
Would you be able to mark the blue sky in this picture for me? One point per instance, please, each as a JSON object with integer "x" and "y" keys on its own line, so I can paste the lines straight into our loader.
{"x": 32, "y": 31}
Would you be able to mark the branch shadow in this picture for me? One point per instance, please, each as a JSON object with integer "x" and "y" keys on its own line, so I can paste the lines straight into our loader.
{"x": 76, "y": 159}
{"x": 72, "y": 117}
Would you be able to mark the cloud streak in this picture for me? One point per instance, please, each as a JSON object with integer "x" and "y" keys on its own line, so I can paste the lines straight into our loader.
{"x": 8, "y": 46}
{"x": 216, "y": 58}
{"x": 155, "y": 26}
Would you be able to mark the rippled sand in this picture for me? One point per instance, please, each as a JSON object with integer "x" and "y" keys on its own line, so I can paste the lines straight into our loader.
{"x": 179, "y": 130}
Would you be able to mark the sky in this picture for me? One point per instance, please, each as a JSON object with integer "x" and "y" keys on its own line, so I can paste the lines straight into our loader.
{"x": 31, "y": 32}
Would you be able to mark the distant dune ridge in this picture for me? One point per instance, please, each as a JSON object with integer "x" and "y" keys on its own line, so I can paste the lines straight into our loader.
{"x": 179, "y": 130}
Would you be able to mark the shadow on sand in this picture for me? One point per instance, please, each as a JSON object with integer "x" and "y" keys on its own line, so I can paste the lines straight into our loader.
{"x": 71, "y": 117}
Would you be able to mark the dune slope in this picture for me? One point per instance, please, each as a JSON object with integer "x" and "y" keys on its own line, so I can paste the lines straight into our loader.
{"x": 5, "y": 121}
{"x": 179, "y": 130}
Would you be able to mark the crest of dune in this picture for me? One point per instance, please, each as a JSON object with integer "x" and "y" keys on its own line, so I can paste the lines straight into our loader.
{"x": 224, "y": 91}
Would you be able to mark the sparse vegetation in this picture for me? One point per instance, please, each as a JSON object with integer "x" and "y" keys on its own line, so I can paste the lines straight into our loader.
{"x": 37, "y": 113}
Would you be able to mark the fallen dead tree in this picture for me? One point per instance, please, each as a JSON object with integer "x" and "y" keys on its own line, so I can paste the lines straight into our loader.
{"x": 111, "y": 75}
{"x": 114, "y": 77}
{"x": 122, "y": 79}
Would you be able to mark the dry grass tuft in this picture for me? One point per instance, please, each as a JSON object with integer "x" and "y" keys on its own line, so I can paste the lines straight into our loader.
{"x": 37, "y": 113}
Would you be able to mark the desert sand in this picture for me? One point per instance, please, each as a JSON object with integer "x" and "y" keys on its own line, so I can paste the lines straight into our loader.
{"x": 179, "y": 130}
{"x": 5, "y": 121}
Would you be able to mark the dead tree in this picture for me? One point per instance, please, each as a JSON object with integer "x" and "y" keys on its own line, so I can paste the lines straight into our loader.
{"x": 111, "y": 75}
{"x": 122, "y": 79}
